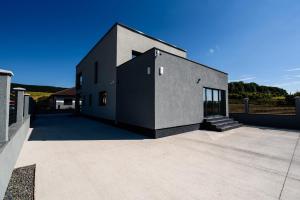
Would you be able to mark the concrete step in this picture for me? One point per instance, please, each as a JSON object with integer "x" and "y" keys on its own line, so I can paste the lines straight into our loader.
{"x": 228, "y": 127}
{"x": 224, "y": 123}
{"x": 214, "y": 120}
{"x": 220, "y": 123}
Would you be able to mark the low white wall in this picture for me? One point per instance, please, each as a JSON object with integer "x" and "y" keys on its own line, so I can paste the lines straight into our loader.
{"x": 9, "y": 154}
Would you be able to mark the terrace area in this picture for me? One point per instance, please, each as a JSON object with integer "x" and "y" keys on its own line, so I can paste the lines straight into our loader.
{"x": 79, "y": 158}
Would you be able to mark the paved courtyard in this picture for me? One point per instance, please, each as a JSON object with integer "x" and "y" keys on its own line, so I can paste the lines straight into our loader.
{"x": 78, "y": 158}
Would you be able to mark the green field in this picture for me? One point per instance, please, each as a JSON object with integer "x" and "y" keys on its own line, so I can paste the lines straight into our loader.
{"x": 38, "y": 96}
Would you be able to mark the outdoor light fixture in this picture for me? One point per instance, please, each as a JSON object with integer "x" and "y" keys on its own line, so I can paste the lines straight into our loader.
{"x": 148, "y": 70}
{"x": 157, "y": 53}
{"x": 161, "y": 70}
{"x": 198, "y": 81}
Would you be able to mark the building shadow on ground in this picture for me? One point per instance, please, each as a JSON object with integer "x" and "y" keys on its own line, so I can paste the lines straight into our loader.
{"x": 70, "y": 127}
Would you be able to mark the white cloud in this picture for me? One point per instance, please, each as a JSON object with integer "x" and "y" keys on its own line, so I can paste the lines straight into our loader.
{"x": 289, "y": 77}
{"x": 288, "y": 83}
{"x": 244, "y": 78}
{"x": 293, "y": 69}
{"x": 213, "y": 50}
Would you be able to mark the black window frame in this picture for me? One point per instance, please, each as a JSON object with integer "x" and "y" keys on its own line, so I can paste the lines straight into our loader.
{"x": 214, "y": 106}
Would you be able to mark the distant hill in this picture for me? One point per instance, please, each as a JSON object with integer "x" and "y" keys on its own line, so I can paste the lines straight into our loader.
{"x": 38, "y": 88}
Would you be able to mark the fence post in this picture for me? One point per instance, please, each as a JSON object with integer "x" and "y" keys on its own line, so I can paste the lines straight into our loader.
{"x": 5, "y": 80}
{"x": 297, "y": 103}
{"x": 26, "y": 105}
{"x": 20, "y": 104}
{"x": 246, "y": 105}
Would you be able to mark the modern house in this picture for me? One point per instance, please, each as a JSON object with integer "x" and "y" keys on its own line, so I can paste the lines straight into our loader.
{"x": 63, "y": 100}
{"x": 136, "y": 80}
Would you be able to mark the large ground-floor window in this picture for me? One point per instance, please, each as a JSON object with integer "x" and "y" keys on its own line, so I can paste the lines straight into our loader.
{"x": 214, "y": 102}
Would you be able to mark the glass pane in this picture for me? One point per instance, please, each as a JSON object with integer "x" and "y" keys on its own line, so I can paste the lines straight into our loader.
{"x": 216, "y": 95}
{"x": 208, "y": 94}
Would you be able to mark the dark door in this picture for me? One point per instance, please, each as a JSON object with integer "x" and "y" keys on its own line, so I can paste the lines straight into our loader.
{"x": 214, "y": 102}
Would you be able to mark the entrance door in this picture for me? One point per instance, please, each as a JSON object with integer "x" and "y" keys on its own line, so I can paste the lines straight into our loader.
{"x": 214, "y": 102}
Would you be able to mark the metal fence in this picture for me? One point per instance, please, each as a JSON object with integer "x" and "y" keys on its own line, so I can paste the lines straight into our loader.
{"x": 257, "y": 107}
{"x": 263, "y": 109}
{"x": 12, "y": 108}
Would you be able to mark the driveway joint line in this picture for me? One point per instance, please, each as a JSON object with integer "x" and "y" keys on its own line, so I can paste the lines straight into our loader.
{"x": 287, "y": 173}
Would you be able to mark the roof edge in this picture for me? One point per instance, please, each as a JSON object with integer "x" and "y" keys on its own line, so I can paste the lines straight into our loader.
{"x": 99, "y": 41}
{"x": 191, "y": 61}
{"x": 131, "y": 29}
{"x": 155, "y": 48}
{"x": 148, "y": 36}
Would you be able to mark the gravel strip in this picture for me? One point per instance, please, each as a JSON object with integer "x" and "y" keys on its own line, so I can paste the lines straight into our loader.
{"x": 21, "y": 184}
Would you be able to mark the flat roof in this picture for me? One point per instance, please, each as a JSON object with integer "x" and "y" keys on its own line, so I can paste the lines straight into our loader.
{"x": 148, "y": 36}
{"x": 191, "y": 61}
{"x": 133, "y": 30}
{"x": 202, "y": 65}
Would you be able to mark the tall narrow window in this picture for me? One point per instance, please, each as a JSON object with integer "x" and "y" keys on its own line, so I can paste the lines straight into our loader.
{"x": 102, "y": 98}
{"x": 79, "y": 81}
{"x": 96, "y": 72}
{"x": 90, "y": 99}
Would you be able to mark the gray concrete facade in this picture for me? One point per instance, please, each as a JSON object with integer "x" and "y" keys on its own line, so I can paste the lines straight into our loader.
{"x": 154, "y": 101}
{"x": 135, "y": 91}
{"x": 178, "y": 91}
{"x": 105, "y": 54}
{"x": 113, "y": 49}
{"x": 5, "y": 80}
{"x": 127, "y": 65}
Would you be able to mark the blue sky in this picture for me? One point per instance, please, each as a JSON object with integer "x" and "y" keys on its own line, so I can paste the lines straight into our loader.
{"x": 252, "y": 40}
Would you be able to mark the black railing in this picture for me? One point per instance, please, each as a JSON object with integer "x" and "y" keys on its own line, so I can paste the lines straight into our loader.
{"x": 12, "y": 108}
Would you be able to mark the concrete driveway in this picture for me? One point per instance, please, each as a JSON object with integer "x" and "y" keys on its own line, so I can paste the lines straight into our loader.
{"x": 78, "y": 158}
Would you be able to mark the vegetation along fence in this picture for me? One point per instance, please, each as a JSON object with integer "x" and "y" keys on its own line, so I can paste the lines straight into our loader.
{"x": 262, "y": 99}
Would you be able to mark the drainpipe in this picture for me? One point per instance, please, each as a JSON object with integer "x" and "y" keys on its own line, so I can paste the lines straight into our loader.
{"x": 5, "y": 80}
